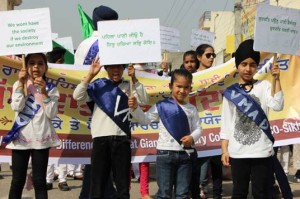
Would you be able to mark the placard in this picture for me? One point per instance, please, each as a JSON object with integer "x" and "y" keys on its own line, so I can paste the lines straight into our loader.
{"x": 170, "y": 39}
{"x": 199, "y": 37}
{"x": 25, "y": 31}
{"x": 129, "y": 41}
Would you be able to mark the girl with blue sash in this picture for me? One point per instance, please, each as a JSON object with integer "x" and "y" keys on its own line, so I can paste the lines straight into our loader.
{"x": 246, "y": 139}
{"x": 110, "y": 126}
{"x": 179, "y": 128}
{"x": 32, "y": 134}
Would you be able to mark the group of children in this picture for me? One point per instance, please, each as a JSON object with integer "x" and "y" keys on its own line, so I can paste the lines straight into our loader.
{"x": 246, "y": 143}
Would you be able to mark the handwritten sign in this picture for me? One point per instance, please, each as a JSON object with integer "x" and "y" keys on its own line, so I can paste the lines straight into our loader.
{"x": 129, "y": 41}
{"x": 277, "y": 30}
{"x": 25, "y": 31}
{"x": 199, "y": 37}
{"x": 170, "y": 39}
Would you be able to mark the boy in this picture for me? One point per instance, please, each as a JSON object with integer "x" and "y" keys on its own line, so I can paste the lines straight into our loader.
{"x": 110, "y": 127}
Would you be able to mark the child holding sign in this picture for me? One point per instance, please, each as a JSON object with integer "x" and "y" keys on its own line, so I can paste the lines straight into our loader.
{"x": 179, "y": 126}
{"x": 110, "y": 127}
{"x": 32, "y": 134}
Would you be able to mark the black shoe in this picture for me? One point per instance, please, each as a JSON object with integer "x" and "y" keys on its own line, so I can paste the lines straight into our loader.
{"x": 297, "y": 176}
{"x": 49, "y": 186}
{"x": 63, "y": 186}
{"x": 55, "y": 177}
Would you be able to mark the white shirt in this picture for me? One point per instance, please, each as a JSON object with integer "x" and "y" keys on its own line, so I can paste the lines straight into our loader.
{"x": 39, "y": 133}
{"x": 165, "y": 140}
{"x": 246, "y": 139}
{"x": 103, "y": 125}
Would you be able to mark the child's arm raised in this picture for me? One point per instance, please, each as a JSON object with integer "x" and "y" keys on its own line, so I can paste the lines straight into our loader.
{"x": 94, "y": 70}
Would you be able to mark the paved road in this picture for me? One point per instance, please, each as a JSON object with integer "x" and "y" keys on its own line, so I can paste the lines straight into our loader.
{"x": 76, "y": 186}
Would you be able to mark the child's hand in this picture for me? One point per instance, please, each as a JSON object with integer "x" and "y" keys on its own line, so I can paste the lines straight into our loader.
{"x": 95, "y": 67}
{"x": 225, "y": 159}
{"x": 40, "y": 82}
{"x": 23, "y": 75}
{"x": 275, "y": 71}
{"x": 131, "y": 73}
{"x": 187, "y": 141}
{"x": 132, "y": 102}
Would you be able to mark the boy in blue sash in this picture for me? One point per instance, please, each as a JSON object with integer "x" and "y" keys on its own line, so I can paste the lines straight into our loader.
{"x": 246, "y": 139}
{"x": 110, "y": 127}
{"x": 179, "y": 128}
{"x": 32, "y": 134}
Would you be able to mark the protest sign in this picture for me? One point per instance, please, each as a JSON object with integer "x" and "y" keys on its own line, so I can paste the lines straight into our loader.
{"x": 129, "y": 41}
{"x": 170, "y": 39}
{"x": 25, "y": 31}
{"x": 277, "y": 29}
{"x": 199, "y": 37}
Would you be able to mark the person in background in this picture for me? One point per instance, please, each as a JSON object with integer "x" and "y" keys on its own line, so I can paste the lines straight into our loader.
{"x": 190, "y": 61}
{"x": 38, "y": 100}
{"x": 57, "y": 56}
{"x": 166, "y": 69}
{"x": 179, "y": 126}
{"x": 206, "y": 55}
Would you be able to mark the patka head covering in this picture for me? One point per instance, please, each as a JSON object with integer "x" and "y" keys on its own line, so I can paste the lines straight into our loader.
{"x": 103, "y": 13}
{"x": 245, "y": 51}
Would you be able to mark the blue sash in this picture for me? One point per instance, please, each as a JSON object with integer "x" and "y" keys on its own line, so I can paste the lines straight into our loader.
{"x": 247, "y": 105}
{"x": 174, "y": 118}
{"x": 24, "y": 117}
{"x": 112, "y": 101}
{"x": 92, "y": 53}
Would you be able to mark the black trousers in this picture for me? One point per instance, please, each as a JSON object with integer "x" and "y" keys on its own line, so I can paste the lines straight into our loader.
{"x": 110, "y": 153}
{"x": 258, "y": 170}
{"x": 39, "y": 159}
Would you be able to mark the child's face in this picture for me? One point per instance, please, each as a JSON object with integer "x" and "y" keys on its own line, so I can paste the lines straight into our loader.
{"x": 115, "y": 72}
{"x": 36, "y": 66}
{"x": 247, "y": 69}
{"x": 207, "y": 59}
{"x": 189, "y": 63}
{"x": 180, "y": 89}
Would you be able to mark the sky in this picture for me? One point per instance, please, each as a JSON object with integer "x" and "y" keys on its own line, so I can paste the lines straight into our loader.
{"x": 180, "y": 14}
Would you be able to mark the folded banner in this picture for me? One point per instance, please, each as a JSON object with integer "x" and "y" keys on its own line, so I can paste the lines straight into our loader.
{"x": 73, "y": 120}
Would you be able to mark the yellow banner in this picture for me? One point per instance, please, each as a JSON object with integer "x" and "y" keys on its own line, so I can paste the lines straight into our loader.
{"x": 73, "y": 120}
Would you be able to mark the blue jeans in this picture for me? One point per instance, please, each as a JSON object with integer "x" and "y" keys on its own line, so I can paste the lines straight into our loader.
{"x": 173, "y": 168}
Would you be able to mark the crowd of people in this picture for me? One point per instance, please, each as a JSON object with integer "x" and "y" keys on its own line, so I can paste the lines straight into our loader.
{"x": 246, "y": 142}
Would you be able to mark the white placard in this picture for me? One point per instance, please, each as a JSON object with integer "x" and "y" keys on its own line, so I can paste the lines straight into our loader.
{"x": 25, "y": 31}
{"x": 129, "y": 41}
{"x": 277, "y": 30}
{"x": 66, "y": 42}
{"x": 199, "y": 37}
{"x": 169, "y": 39}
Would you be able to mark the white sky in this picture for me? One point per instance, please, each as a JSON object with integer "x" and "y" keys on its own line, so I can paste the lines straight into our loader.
{"x": 181, "y": 14}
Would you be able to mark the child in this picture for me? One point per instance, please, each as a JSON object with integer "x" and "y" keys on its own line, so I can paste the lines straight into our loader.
{"x": 179, "y": 126}
{"x": 33, "y": 133}
{"x": 190, "y": 61}
{"x": 110, "y": 127}
{"x": 246, "y": 139}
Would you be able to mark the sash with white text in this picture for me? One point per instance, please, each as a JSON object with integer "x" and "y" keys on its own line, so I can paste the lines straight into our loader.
{"x": 247, "y": 105}
{"x": 112, "y": 101}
